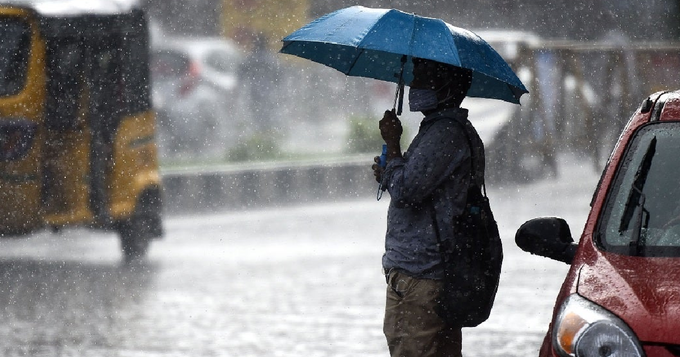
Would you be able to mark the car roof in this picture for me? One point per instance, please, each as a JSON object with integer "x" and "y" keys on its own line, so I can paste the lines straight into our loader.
{"x": 59, "y": 8}
{"x": 84, "y": 18}
{"x": 504, "y": 35}
{"x": 506, "y": 42}
{"x": 667, "y": 105}
{"x": 197, "y": 46}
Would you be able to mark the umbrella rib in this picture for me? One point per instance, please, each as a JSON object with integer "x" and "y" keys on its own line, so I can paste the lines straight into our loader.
{"x": 413, "y": 34}
{"x": 356, "y": 58}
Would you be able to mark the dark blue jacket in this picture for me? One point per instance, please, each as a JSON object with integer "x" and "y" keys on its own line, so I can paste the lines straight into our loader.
{"x": 430, "y": 181}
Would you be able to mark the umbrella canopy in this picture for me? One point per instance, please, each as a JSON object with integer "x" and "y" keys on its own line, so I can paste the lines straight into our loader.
{"x": 378, "y": 43}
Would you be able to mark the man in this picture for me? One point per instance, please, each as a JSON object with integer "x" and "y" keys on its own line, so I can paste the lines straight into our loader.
{"x": 428, "y": 187}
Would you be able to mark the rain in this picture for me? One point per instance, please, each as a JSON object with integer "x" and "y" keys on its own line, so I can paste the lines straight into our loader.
{"x": 272, "y": 235}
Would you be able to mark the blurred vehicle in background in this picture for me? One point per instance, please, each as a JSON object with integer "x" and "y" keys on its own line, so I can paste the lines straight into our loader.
{"x": 194, "y": 91}
{"x": 557, "y": 114}
{"x": 77, "y": 129}
{"x": 496, "y": 121}
{"x": 509, "y": 43}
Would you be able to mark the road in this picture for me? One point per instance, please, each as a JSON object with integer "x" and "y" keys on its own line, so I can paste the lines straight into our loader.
{"x": 299, "y": 281}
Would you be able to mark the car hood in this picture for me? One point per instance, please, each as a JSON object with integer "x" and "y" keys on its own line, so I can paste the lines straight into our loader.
{"x": 643, "y": 292}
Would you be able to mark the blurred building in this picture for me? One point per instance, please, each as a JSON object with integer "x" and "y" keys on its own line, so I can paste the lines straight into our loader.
{"x": 249, "y": 22}
{"x": 612, "y": 79}
{"x": 181, "y": 17}
{"x": 574, "y": 20}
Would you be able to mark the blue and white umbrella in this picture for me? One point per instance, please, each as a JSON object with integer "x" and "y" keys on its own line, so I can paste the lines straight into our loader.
{"x": 379, "y": 43}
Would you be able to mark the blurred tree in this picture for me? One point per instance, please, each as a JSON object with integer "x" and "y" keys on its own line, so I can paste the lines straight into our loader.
{"x": 246, "y": 21}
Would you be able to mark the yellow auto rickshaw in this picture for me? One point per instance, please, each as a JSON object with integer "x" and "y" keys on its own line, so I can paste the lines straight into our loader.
{"x": 77, "y": 130}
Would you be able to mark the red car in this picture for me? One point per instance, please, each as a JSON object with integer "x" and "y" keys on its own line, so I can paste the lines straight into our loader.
{"x": 621, "y": 296}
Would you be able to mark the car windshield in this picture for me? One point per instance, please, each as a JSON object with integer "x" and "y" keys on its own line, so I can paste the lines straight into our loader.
{"x": 222, "y": 61}
{"x": 14, "y": 50}
{"x": 167, "y": 64}
{"x": 642, "y": 215}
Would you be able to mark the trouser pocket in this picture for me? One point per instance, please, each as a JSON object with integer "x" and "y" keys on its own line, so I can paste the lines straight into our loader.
{"x": 397, "y": 283}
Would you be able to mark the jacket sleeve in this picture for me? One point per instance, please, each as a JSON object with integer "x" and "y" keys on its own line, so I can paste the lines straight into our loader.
{"x": 431, "y": 159}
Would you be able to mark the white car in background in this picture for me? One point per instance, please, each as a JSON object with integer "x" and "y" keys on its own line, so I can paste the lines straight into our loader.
{"x": 194, "y": 87}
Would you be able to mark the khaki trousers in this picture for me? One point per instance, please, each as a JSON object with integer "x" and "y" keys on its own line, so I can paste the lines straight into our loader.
{"x": 411, "y": 326}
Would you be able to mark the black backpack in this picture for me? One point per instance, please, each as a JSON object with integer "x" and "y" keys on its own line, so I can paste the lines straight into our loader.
{"x": 473, "y": 263}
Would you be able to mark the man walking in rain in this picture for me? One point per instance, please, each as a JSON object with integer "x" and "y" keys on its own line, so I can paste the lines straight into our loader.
{"x": 428, "y": 186}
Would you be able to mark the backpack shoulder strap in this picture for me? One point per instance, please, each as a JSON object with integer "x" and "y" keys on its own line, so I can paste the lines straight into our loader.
{"x": 477, "y": 159}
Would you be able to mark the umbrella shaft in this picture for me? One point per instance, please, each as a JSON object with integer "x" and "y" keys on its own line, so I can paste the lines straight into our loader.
{"x": 399, "y": 95}
{"x": 398, "y": 99}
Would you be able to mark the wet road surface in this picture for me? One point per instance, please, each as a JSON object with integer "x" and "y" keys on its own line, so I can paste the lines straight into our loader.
{"x": 300, "y": 281}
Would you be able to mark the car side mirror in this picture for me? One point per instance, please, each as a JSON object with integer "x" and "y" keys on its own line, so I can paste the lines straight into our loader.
{"x": 548, "y": 237}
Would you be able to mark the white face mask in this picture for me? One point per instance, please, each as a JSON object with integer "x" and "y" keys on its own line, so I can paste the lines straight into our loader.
{"x": 422, "y": 99}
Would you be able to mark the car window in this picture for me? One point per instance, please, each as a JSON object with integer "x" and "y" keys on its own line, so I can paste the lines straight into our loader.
{"x": 65, "y": 63}
{"x": 168, "y": 64}
{"x": 642, "y": 214}
{"x": 14, "y": 51}
{"x": 135, "y": 71}
{"x": 222, "y": 61}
